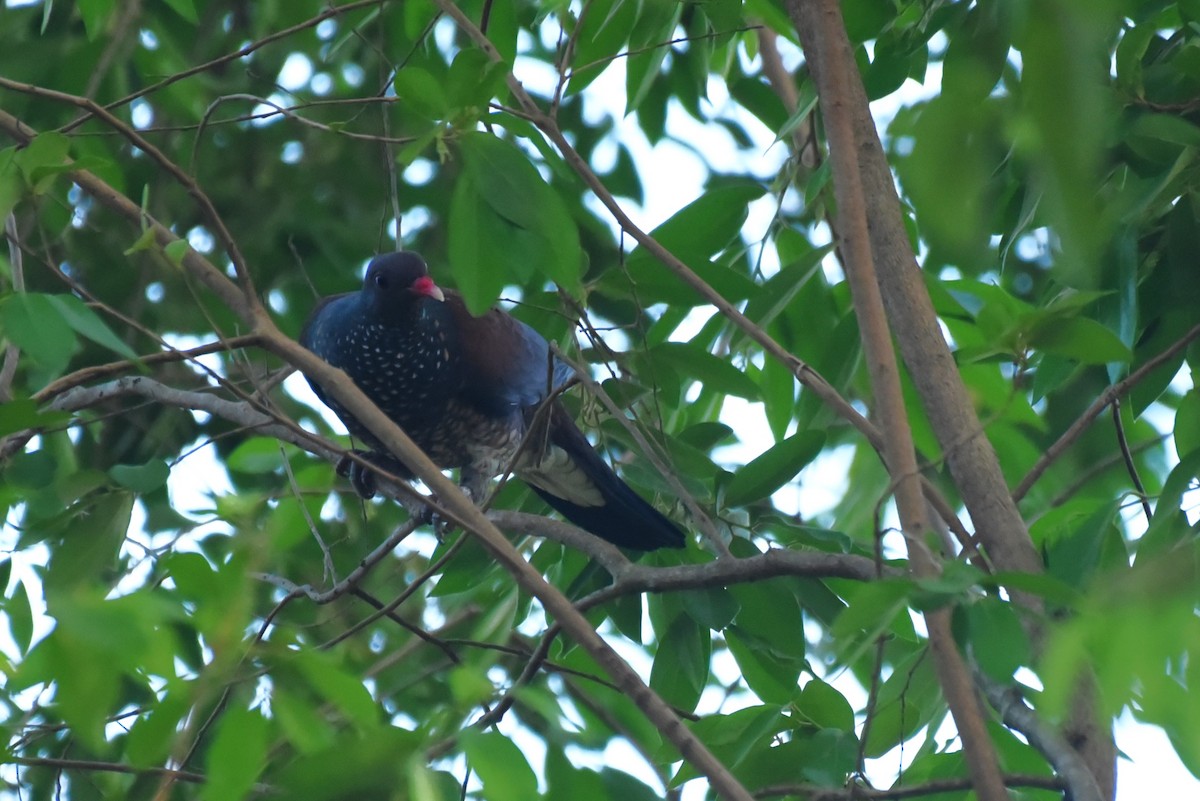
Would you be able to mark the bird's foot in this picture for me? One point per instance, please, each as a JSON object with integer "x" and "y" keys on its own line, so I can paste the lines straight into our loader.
{"x": 362, "y": 478}
{"x": 425, "y": 513}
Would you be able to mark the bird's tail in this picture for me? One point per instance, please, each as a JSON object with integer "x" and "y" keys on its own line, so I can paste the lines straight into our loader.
{"x": 579, "y": 484}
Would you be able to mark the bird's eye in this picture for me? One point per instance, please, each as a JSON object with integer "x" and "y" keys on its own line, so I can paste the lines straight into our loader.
{"x": 381, "y": 281}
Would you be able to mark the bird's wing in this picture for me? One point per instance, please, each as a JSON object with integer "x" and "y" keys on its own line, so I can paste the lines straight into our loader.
{"x": 315, "y": 331}
{"x": 507, "y": 366}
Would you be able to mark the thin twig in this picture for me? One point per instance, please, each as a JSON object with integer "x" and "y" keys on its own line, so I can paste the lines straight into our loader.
{"x": 1097, "y": 406}
{"x": 225, "y": 59}
{"x": 1127, "y": 455}
{"x": 340, "y": 588}
{"x": 95, "y": 766}
{"x": 1085, "y": 478}
{"x": 651, "y": 452}
{"x": 158, "y": 157}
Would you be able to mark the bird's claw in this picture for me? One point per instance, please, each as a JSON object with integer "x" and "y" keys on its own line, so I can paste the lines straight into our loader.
{"x": 364, "y": 481}
{"x": 362, "y": 478}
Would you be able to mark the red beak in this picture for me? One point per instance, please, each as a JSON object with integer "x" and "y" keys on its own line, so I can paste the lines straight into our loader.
{"x": 425, "y": 286}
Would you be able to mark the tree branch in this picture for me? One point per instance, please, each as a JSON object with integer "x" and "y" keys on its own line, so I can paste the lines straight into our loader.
{"x": 832, "y": 65}
{"x": 633, "y": 577}
{"x": 91, "y": 373}
{"x": 94, "y": 766}
{"x": 972, "y": 461}
{"x": 856, "y": 793}
{"x": 1071, "y": 765}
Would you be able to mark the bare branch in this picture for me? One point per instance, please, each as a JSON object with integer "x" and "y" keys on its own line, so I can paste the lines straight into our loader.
{"x": 1070, "y": 763}
{"x": 839, "y": 90}
{"x": 86, "y": 375}
{"x": 94, "y": 766}
{"x": 858, "y": 793}
{"x": 633, "y": 577}
{"x": 352, "y": 579}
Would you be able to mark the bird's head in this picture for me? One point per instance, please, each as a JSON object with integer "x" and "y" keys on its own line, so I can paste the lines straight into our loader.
{"x": 399, "y": 279}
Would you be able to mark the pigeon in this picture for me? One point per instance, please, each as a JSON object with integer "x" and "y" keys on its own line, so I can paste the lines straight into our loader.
{"x": 475, "y": 393}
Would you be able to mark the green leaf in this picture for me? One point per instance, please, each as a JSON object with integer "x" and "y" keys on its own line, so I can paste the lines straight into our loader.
{"x": 237, "y": 755}
{"x": 44, "y": 158}
{"x": 654, "y": 25}
{"x": 339, "y": 687}
{"x": 681, "y": 663}
{"x": 599, "y": 37}
{"x": 736, "y": 736}
{"x": 564, "y": 780}
{"x": 998, "y": 642}
{"x": 908, "y": 699}
{"x": 141, "y": 478}
{"x": 87, "y": 323}
{"x": 470, "y": 686}
{"x": 713, "y": 607}
{"x": 425, "y": 784}
{"x": 769, "y": 610}
{"x": 185, "y": 9}
{"x": 1081, "y": 339}
{"x": 1187, "y": 423}
{"x": 824, "y": 706}
{"x": 354, "y": 768}
{"x": 421, "y": 93}
{"x": 23, "y": 414}
{"x": 37, "y": 326}
{"x": 89, "y": 554}
{"x": 147, "y": 240}
{"x": 473, "y": 79}
{"x": 773, "y": 677}
{"x": 695, "y": 234}
{"x": 807, "y": 103}
{"x": 20, "y": 617}
{"x": 12, "y": 187}
{"x": 501, "y": 766}
{"x": 176, "y": 251}
{"x": 301, "y": 721}
{"x": 116, "y": 639}
{"x": 871, "y": 610}
{"x": 1169, "y": 526}
{"x": 715, "y": 373}
{"x": 95, "y": 13}
{"x": 542, "y": 235}
{"x": 773, "y": 468}
{"x": 471, "y": 228}
{"x": 152, "y": 736}
{"x": 257, "y": 455}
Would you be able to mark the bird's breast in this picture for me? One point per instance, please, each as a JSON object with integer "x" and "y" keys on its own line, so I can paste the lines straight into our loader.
{"x": 409, "y": 375}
